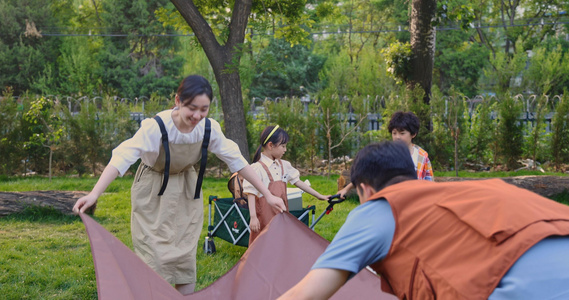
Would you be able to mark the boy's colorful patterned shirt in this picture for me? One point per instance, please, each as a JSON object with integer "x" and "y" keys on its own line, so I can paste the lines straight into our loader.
{"x": 422, "y": 164}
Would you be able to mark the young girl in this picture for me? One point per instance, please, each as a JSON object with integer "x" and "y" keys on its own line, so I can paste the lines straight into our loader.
{"x": 274, "y": 173}
{"x": 404, "y": 127}
{"x": 165, "y": 228}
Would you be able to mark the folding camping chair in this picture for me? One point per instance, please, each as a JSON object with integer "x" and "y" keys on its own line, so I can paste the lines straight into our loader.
{"x": 231, "y": 222}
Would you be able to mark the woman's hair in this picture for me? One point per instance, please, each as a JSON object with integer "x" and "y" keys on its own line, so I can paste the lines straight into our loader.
{"x": 404, "y": 120}
{"x": 192, "y": 86}
{"x": 277, "y": 138}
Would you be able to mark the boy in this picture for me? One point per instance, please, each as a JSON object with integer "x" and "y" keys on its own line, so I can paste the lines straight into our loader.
{"x": 404, "y": 127}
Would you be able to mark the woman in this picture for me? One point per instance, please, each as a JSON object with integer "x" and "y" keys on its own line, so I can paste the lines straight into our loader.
{"x": 165, "y": 228}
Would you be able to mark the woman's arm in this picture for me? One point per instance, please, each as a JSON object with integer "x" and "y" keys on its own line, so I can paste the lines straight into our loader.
{"x": 248, "y": 173}
{"x": 109, "y": 174}
{"x": 305, "y": 187}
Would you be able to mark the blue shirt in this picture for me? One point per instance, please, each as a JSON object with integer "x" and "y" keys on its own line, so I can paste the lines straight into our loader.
{"x": 542, "y": 272}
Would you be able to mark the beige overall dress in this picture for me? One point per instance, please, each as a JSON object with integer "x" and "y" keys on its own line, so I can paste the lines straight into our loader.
{"x": 265, "y": 212}
{"x": 166, "y": 229}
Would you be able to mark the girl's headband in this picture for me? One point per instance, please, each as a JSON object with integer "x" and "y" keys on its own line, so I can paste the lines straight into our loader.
{"x": 270, "y": 134}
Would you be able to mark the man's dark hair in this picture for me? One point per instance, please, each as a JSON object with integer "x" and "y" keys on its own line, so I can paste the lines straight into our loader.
{"x": 404, "y": 120}
{"x": 379, "y": 163}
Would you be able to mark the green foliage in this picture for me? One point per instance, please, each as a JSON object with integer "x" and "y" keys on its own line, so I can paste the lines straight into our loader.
{"x": 138, "y": 64}
{"x": 510, "y": 131}
{"x": 397, "y": 57}
{"x": 45, "y": 112}
{"x": 452, "y": 128}
{"x": 503, "y": 70}
{"x": 548, "y": 71}
{"x": 79, "y": 135}
{"x": 77, "y": 63}
{"x": 482, "y": 132}
{"x": 289, "y": 114}
{"x": 84, "y": 147}
{"x": 537, "y": 138}
{"x": 24, "y": 52}
{"x": 560, "y": 131}
{"x": 452, "y": 12}
{"x": 11, "y": 111}
{"x": 285, "y": 71}
{"x": 114, "y": 125}
{"x": 459, "y": 62}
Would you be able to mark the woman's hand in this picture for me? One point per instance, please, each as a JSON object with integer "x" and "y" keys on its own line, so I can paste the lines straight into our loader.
{"x": 109, "y": 174}
{"x": 84, "y": 203}
{"x": 275, "y": 202}
{"x": 254, "y": 224}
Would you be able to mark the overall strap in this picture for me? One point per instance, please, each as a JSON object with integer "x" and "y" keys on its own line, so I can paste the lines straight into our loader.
{"x": 205, "y": 144}
{"x": 164, "y": 140}
{"x": 267, "y": 170}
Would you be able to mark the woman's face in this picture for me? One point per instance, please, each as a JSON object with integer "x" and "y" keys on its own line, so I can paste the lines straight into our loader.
{"x": 192, "y": 112}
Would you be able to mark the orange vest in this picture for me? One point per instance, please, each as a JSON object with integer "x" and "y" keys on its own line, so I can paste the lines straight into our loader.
{"x": 456, "y": 240}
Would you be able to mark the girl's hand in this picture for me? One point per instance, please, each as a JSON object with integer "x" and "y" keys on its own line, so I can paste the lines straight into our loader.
{"x": 254, "y": 224}
{"x": 324, "y": 197}
{"x": 345, "y": 190}
{"x": 84, "y": 203}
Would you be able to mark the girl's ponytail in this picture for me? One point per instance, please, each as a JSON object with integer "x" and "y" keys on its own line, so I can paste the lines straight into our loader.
{"x": 272, "y": 134}
{"x": 257, "y": 154}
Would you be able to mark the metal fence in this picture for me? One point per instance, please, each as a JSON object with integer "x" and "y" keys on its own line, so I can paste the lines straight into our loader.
{"x": 374, "y": 119}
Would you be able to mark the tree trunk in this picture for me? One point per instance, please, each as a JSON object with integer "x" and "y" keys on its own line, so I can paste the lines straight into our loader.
{"x": 62, "y": 201}
{"x": 423, "y": 38}
{"x": 233, "y": 111}
{"x": 224, "y": 60}
{"x": 544, "y": 185}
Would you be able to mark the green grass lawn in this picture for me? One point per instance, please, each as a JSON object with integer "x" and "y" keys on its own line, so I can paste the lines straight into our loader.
{"x": 46, "y": 255}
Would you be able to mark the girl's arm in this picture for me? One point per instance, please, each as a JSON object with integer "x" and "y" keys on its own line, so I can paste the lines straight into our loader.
{"x": 305, "y": 187}
{"x": 254, "y": 221}
{"x": 248, "y": 173}
{"x": 109, "y": 174}
{"x": 345, "y": 190}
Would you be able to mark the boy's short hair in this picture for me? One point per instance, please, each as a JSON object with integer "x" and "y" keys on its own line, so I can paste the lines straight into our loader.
{"x": 404, "y": 120}
{"x": 376, "y": 164}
